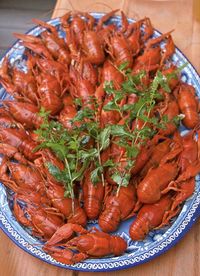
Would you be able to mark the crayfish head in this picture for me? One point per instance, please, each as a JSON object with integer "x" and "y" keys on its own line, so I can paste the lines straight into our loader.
{"x": 83, "y": 243}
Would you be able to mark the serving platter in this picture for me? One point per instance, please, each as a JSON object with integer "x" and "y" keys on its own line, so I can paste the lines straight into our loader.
{"x": 156, "y": 243}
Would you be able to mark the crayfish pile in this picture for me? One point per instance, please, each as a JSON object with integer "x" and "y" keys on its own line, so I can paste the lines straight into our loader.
{"x": 91, "y": 132}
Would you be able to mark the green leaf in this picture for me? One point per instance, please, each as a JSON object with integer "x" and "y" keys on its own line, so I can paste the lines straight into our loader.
{"x": 140, "y": 106}
{"x": 118, "y": 96}
{"x": 53, "y": 169}
{"x": 60, "y": 150}
{"x": 85, "y": 139}
{"x": 130, "y": 165}
{"x": 161, "y": 80}
{"x": 144, "y": 118}
{"x": 132, "y": 151}
{"x": 93, "y": 129}
{"x": 110, "y": 106}
{"x": 43, "y": 113}
{"x": 109, "y": 163}
{"x": 123, "y": 66}
{"x": 109, "y": 87}
{"x": 158, "y": 96}
{"x": 128, "y": 107}
{"x": 177, "y": 119}
{"x": 67, "y": 193}
{"x": 137, "y": 78}
{"x": 165, "y": 119}
{"x": 96, "y": 175}
{"x": 146, "y": 132}
{"x": 129, "y": 87}
{"x": 120, "y": 130}
{"x": 77, "y": 175}
{"x": 60, "y": 176}
{"x": 78, "y": 102}
{"x": 104, "y": 138}
{"x": 165, "y": 87}
{"x": 73, "y": 145}
{"x": 90, "y": 153}
{"x": 82, "y": 114}
{"x": 121, "y": 180}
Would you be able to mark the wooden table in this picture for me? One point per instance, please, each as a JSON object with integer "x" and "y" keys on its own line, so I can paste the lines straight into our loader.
{"x": 184, "y": 258}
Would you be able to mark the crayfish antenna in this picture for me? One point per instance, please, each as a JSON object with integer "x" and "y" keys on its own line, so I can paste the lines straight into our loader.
{"x": 44, "y": 25}
{"x": 27, "y": 38}
{"x": 105, "y": 18}
{"x": 154, "y": 41}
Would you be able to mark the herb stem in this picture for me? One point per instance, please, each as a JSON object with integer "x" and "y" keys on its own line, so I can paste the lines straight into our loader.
{"x": 121, "y": 114}
{"x": 152, "y": 95}
{"x": 100, "y": 163}
{"x": 119, "y": 185}
{"x": 98, "y": 148}
{"x": 70, "y": 185}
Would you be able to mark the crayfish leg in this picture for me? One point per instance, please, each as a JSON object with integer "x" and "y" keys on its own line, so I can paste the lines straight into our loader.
{"x": 186, "y": 189}
{"x": 3, "y": 167}
{"x": 172, "y": 186}
{"x": 167, "y": 216}
{"x": 19, "y": 214}
{"x": 172, "y": 154}
{"x": 4, "y": 177}
{"x": 191, "y": 171}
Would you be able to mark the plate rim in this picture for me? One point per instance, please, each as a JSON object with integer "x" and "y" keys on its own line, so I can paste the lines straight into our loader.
{"x": 195, "y": 216}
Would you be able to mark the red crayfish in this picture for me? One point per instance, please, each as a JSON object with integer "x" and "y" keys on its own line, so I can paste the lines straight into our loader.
{"x": 92, "y": 243}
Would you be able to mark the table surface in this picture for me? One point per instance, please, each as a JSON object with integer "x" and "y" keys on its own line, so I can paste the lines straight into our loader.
{"x": 184, "y": 258}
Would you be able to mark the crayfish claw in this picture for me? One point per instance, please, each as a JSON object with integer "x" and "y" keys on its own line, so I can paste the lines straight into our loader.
{"x": 64, "y": 256}
{"x": 79, "y": 257}
{"x": 65, "y": 232}
{"x": 12, "y": 152}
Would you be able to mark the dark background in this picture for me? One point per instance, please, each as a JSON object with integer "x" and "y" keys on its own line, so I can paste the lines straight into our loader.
{"x": 16, "y": 15}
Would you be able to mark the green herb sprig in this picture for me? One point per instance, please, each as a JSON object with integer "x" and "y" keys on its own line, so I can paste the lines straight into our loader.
{"x": 67, "y": 146}
{"x": 101, "y": 137}
{"x": 72, "y": 146}
{"x": 128, "y": 138}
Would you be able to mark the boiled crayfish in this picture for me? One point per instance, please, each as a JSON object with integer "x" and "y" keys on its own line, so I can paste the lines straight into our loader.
{"x": 89, "y": 244}
{"x": 92, "y": 134}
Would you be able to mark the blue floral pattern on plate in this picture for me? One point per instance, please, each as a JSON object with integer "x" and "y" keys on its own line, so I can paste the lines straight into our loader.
{"x": 156, "y": 243}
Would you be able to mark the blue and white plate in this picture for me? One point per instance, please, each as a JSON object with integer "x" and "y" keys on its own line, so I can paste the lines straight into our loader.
{"x": 157, "y": 241}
